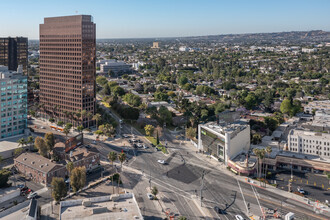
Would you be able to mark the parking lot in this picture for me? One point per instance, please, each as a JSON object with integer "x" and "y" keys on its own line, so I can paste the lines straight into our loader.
{"x": 316, "y": 186}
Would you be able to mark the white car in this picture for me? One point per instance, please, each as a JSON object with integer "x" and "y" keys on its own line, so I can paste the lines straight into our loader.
{"x": 161, "y": 161}
{"x": 145, "y": 146}
{"x": 301, "y": 190}
{"x": 150, "y": 196}
{"x": 42, "y": 127}
{"x": 238, "y": 217}
{"x": 32, "y": 195}
{"x": 139, "y": 145}
{"x": 125, "y": 136}
{"x": 94, "y": 142}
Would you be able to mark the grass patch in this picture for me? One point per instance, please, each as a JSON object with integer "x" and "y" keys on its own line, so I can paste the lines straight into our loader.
{"x": 152, "y": 140}
{"x": 163, "y": 149}
{"x": 106, "y": 104}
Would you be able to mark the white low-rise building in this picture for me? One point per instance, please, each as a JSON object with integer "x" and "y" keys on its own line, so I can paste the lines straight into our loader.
{"x": 224, "y": 140}
{"x": 309, "y": 142}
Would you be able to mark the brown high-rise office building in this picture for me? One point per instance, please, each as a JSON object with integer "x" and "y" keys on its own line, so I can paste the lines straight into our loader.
{"x": 67, "y": 67}
{"x": 14, "y": 52}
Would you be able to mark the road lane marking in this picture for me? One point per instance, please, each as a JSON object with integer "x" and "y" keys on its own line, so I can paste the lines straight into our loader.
{"x": 247, "y": 210}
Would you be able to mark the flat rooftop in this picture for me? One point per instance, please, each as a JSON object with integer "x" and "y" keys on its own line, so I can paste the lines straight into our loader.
{"x": 226, "y": 127}
{"x": 115, "y": 207}
{"x": 304, "y": 133}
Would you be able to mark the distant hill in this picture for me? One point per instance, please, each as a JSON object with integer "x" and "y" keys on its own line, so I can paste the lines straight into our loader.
{"x": 267, "y": 38}
{"x": 278, "y": 38}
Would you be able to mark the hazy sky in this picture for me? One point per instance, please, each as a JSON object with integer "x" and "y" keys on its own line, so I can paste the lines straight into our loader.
{"x": 169, "y": 18}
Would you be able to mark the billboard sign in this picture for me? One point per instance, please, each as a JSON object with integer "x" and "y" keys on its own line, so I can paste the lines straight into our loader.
{"x": 73, "y": 142}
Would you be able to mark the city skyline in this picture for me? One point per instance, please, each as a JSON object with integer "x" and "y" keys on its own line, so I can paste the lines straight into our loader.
{"x": 144, "y": 19}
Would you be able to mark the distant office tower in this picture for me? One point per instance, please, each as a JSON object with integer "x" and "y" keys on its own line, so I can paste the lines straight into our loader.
{"x": 155, "y": 45}
{"x": 67, "y": 67}
{"x": 14, "y": 52}
{"x": 13, "y": 116}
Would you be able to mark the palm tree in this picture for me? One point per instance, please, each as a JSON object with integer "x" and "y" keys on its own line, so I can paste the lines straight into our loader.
{"x": 80, "y": 128}
{"x": 97, "y": 118}
{"x": 268, "y": 151}
{"x": 30, "y": 140}
{"x": 89, "y": 116}
{"x": 83, "y": 115}
{"x": 112, "y": 157}
{"x": 21, "y": 142}
{"x": 122, "y": 158}
{"x": 69, "y": 167}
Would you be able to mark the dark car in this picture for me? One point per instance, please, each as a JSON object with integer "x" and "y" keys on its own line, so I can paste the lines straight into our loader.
{"x": 152, "y": 145}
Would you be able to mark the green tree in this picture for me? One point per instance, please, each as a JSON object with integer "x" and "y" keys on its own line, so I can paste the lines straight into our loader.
{"x": 286, "y": 106}
{"x": 250, "y": 101}
{"x": 78, "y": 178}
{"x": 191, "y": 133}
{"x": 117, "y": 90}
{"x": 18, "y": 152}
{"x": 21, "y": 142}
{"x": 89, "y": 117}
{"x": 50, "y": 140}
{"x": 160, "y": 96}
{"x": 182, "y": 80}
{"x": 59, "y": 189}
{"x": 69, "y": 167}
{"x": 133, "y": 100}
{"x": 256, "y": 138}
{"x": 149, "y": 129}
{"x": 98, "y": 133}
{"x": 165, "y": 115}
{"x": 154, "y": 191}
{"x": 66, "y": 131}
{"x": 4, "y": 176}
{"x": 182, "y": 218}
{"x": 41, "y": 145}
{"x": 30, "y": 141}
{"x": 101, "y": 80}
{"x": 60, "y": 123}
{"x": 80, "y": 128}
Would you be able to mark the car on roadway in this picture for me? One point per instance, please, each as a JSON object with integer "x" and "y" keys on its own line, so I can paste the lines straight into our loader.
{"x": 152, "y": 145}
{"x": 139, "y": 145}
{"x": 145, "y": 146}
{"x": 88, "y": 146}
{"x": 94, "y": 142}
{"x": 125, "y": 136}
{"x": 21, "y": 186}
{"x": 42, "y": 127}
{"x": 150, "y": 196}
{"x": 32, "y": 195}
{"x": 239, "y": 217}
{"x": 161, "y": 161}
{"x": 301, "y": 190}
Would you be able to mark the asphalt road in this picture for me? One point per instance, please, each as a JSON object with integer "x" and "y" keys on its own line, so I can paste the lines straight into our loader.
{"x": 316, "y": 186}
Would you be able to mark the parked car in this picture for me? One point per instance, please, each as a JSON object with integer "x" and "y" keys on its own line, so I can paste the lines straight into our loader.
{"x": 152, "y": 145}
{"x": 150, "y": 196}
{"x": 125, "y": 136}
{"x": 32, "y": 195}
{"x": 139, "y": 145}
{"x": 145, "y": 146}
{"x": 42, "y": 127}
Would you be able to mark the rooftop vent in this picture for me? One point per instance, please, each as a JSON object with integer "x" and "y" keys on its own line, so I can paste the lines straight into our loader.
{"x": 24, "y": 158}
{"x": 32, "y": 162}
{"x": 46, "y": 164}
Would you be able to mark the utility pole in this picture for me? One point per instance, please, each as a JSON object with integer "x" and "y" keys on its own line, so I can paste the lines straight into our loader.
{"x": 202, "y": 186}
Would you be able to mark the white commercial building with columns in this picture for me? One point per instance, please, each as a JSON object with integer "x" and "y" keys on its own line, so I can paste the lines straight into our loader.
{"x": 224, "y": 141}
